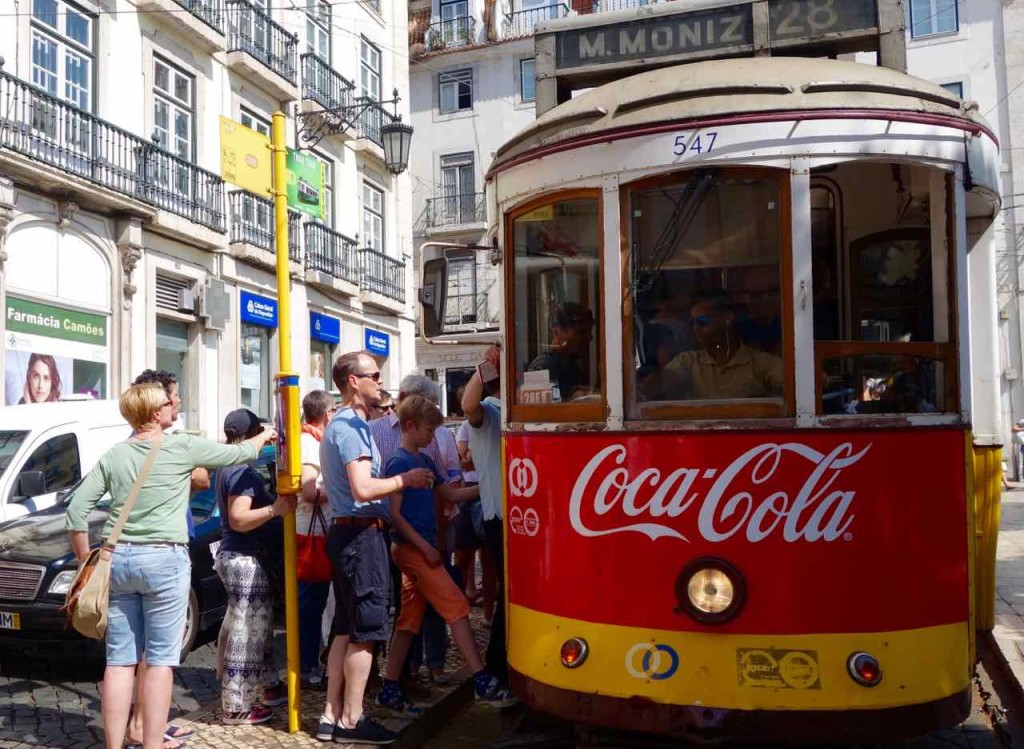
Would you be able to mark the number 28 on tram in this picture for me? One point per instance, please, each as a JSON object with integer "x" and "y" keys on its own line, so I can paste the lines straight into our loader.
{"x": 745, "y": 445}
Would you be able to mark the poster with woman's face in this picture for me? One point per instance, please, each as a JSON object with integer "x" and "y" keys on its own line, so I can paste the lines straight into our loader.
{"x": 34, "y": 377}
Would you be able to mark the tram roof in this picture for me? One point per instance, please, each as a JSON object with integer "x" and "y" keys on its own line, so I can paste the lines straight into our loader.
{"x": 721, "y": 88}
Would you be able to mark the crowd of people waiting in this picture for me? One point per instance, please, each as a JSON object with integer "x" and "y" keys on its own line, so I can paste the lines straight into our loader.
{"x": 404, "y": 505}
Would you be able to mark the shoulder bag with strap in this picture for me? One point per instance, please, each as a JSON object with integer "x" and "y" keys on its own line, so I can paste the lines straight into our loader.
{"x": 312, "y": 562}
{"x": 88, "y": 597}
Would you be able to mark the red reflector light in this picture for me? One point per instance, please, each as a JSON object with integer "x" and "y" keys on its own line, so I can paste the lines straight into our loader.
{"x": 574, "y": 652}
{"x": 864, "y": 669}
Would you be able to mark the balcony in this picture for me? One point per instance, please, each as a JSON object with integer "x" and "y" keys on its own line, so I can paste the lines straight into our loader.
{"x": 522, "y": 22}
{"x": 322, "y": 85}
{"x": 382, "y": 280}
{"x": 203, "y": 23}
{"x": 252, "y": 230}
{"x": 261, "y": 50}
{"x": 331, "y": 260}
{"x": 367, "y": 129}
{"x": 451, "y": 34}
{"x": 607, "y": 6}
{"x": 85, "y": 150}
{"x": 456, "y": 213}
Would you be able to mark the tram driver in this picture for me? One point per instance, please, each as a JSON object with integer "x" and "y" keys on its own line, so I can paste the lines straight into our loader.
{"x": 723, "y": 368}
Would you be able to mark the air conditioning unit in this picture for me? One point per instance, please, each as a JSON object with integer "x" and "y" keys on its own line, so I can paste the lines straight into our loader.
{"x": 186, "y": 301}
{"x": 214, "y": 305}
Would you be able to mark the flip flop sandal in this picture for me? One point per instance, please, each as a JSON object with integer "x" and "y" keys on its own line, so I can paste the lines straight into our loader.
{"x": 175, "y": 732}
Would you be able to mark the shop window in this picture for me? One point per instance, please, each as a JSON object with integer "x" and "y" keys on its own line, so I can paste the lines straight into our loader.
{"x": 255, "y": 369}
{"x": 708, "y": 281}
{"x": 172, "y": 353}
{"x": 557, "y": 304}
{"x": 321, "y": 359}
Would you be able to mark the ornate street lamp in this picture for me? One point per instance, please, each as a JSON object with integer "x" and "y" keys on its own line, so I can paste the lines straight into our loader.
{"x": 397, "y": 137}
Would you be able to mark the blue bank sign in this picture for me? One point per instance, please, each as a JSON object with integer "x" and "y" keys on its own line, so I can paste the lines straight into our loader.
{"x": 324, "y": 328}
{"x": 376, "y": 342}
{"x": 258, "y": 310}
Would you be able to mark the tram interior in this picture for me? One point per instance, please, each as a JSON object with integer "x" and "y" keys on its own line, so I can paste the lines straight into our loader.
{"x": 710, "y": 318}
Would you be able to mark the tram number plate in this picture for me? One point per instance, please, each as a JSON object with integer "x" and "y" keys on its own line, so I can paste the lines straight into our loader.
{"x": 688, "y": 144}
{"x": 9, "y": 620}
{"x": 778, "y": 669}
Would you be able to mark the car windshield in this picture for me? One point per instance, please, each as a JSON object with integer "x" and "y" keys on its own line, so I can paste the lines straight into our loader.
{"x": 10, "y": 441}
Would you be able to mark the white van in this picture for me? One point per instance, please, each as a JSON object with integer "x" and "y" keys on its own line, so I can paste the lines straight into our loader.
{"x": 47, "y": 447}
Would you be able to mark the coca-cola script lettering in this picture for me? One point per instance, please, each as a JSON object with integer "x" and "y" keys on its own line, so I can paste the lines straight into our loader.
{"x": 725, "y": 502}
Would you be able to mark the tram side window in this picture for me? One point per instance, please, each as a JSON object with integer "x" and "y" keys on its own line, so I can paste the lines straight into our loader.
{"x": 707, "y": 284}
{"x": 557, "y": 303}
{"x": 881, "y": 302}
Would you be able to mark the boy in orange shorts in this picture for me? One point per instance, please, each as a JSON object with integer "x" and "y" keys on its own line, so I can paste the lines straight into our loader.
{"x": 424, "y": 577}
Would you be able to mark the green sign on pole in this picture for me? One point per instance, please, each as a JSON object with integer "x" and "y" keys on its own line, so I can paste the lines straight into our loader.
{"x": 306, "y": 184}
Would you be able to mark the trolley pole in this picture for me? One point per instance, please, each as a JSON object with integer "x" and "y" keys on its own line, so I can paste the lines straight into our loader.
{"x": 287, "y": 392}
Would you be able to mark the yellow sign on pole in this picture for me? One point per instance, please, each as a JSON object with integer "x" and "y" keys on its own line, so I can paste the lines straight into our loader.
{"x": 245, "y": 158}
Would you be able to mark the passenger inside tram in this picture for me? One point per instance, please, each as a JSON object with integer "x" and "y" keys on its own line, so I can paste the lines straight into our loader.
{"x": 724, "y": 367}
{"x": 572, "y": 331}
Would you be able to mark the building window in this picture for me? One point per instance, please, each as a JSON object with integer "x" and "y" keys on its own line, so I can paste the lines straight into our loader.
{"x": 460, "y": 306}
{"x": 255, "y": 369}
{"x": 369, "y": 70}
{"x": 956, "y": 88}
{"x": 172, "y": 353}
{"x": 929, "y": 17}
{"x": 458, "y": 188}
{"x": 255, "y": 122}
{"x": 173, "y": 109}
{"x": 318, "y": 29}
{"x": 373, "y": 217}
{"x": 455, "y": 22}
{"x": 527, "y": 80}
{"x": 327, "y": 197}
{"x": 62, "y": 57}
{"x": 455, "y": 91}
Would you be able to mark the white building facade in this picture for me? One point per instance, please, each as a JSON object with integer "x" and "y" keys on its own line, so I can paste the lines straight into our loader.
{"x": 121, "y": 248}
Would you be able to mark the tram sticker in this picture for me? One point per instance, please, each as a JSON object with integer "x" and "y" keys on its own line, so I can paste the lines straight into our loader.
{"x": 531, "y": 522}
{"x": 778, "y": 669}
{"x": 652, "y": 660}
{"x": 700, "y": 142}
{"x": 522, "y": 477}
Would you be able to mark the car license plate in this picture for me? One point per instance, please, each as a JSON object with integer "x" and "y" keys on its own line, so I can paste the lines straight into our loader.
{"x": 10, "y": 620}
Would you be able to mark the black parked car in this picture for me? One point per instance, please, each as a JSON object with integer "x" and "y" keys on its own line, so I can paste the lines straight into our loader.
{"x": 37, "y": 567}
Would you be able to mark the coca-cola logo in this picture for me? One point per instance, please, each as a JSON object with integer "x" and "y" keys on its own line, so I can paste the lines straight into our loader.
{"x": 746, "y": 498}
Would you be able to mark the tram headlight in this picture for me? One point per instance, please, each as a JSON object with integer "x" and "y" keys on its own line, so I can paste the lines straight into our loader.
{"x": 711, "y": 590}
{"x": 574, "y": 652}
{"x": 864, "y": 669}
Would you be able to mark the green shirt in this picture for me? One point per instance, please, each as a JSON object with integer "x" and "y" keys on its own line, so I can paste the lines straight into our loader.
{"x": 159, "y": 511}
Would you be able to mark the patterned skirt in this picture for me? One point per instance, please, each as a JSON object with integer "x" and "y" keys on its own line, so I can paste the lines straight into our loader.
{"x": 247, "y": 632}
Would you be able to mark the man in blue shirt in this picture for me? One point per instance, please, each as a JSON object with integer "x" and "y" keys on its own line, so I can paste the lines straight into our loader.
{"x": 483, "y": 413}
{"x": 357, "y": 545}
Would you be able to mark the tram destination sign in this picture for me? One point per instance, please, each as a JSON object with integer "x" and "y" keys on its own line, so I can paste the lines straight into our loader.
{"x": 725, "y": 30}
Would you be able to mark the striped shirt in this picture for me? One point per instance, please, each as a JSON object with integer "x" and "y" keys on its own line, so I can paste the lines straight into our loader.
{"x": 442, "y": 451}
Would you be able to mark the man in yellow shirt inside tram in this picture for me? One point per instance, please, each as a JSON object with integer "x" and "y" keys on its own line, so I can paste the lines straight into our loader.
{"x": 723, "y": 368}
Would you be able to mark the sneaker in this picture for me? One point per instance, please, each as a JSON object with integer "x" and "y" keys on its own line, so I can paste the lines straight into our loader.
{"x": 490, "y": 692}
{"x": 390, "y": 697}
{"x": 275, "y": 696}
{"x": 324, "y": 729}
{"x": 312, "y": 678}
{"x": 253, "y": 717}
{"x": 440, "y": 676}
{"x": 367, "y": 731}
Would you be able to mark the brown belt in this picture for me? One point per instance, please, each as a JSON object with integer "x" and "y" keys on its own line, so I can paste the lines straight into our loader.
{"x": 378, "y": 523}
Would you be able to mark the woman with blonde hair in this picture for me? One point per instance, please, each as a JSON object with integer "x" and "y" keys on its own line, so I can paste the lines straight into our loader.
{"x": 150, "y": 567}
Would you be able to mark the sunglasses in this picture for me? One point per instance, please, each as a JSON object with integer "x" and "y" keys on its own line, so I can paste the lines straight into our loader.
{"x": 375, "y": 376}
{"x": 386, "y": 408}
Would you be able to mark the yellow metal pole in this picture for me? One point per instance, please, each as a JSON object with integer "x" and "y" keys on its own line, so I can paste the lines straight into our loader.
{"x": 287, "y": 381}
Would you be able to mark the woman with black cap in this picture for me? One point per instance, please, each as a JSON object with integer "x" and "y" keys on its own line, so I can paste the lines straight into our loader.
{"x": 252, "y": 544}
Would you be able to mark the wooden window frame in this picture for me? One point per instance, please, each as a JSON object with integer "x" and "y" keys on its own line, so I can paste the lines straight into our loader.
{"x": 565, "y": 412}
{"x": 747, "y": 408}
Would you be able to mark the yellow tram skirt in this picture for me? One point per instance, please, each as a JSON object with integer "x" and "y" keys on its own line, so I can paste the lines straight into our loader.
{"x": 738, "y": 671}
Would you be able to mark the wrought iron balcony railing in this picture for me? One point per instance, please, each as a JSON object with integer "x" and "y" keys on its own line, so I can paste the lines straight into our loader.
{"x": 252, "y": 222}
{"x": 322, "y": 84}
{"x": 453, "y": 210}
{"x": 451, "y": 33}
{"x": 522, "y": 22}
{"x": 331, "y": 252}
{"x": 54, "y": 132}
{"x": 252, "y": 30}
{"x": 606, "y": 6}
{"x": 471, "y": 298}
{"x": 210, "y": 12}
{"x": 372, "y": 119}
{"x": 382, "y": 274}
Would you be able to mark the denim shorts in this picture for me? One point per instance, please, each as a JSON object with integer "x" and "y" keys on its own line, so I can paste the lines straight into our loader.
{"x": 149, "y": 586}
{"x": 360, "y": 562}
